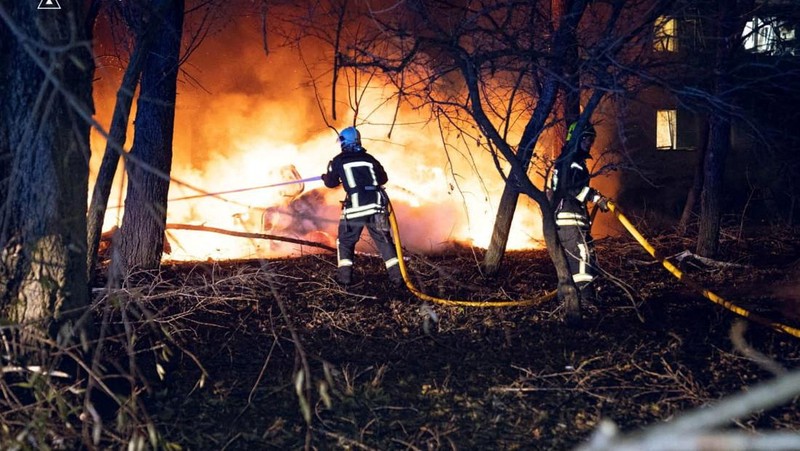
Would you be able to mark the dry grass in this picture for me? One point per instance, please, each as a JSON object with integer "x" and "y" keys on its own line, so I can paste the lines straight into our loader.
{"x": 273, "y": 354}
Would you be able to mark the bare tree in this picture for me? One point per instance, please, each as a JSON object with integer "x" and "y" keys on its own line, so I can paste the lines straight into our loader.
{"x": 697, "y": 181}
{"x": 728, "y": 41}
{"x": 46, "y": 71}
{"x": 145, "y": 25}
{"x": 141, "y": 238}
{"x": 500, "y": 66}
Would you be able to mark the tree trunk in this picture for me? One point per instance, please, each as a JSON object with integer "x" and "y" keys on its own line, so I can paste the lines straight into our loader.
{"x": 140, "y": 241}
{"x": 44, "y": 147}
{"x": 117, "y": 135}
{"x": 697, "y": 182}
{"x": 731, "y": 24}
{"x": 510, "y": 196}
{"x": 502, "y": 227}
{"x": 567, "y": 291}
{"x": 508, "y": 200}
{"x": 711, "y": 197}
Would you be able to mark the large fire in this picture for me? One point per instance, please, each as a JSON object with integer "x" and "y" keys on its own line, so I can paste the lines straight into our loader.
{"x": 249, "y": 120}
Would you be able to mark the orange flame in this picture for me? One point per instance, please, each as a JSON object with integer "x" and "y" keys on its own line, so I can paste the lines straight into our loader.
{"x": 260, "y": 124}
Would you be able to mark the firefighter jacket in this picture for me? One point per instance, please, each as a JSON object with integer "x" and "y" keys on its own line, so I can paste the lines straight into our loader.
{"x": 571, "y": 191}
{"x": 362, "y": 177}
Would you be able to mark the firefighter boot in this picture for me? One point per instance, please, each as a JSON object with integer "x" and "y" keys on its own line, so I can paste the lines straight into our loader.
{"x": 395, "y": 276}
{"x": 588, "y": 295}
{"x": 344, "y": 275}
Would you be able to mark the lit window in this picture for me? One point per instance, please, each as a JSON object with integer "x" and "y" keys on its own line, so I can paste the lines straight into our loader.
{"x": 666, "y": 35}
{"x": 769, "y": 35}
{"x": 759, "y": 35}
{"x": 666, "y": 129}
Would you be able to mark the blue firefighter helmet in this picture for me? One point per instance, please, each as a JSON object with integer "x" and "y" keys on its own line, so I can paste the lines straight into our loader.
{"x": 350, "y": 140}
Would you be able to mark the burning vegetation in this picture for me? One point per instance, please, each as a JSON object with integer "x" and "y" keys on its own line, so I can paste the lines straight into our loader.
{"x": 257, "y": 127}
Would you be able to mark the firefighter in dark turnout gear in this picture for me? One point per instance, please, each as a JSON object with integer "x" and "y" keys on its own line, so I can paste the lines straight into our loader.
{"x": 571, "y": 192}
{"x": 362, "y": 177}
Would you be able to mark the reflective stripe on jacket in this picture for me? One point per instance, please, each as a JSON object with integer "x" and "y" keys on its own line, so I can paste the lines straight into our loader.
{"x": 570, "y": 184}
{"x": 361, "y": 176}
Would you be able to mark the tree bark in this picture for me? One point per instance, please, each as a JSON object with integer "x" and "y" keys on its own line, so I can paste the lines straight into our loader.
{"x": 46, "y": 70}
{"x": 140, "y": 241}
{"x": 697, "y": 181}
{"x": 502, "y": 227}
{"x": 731, "y": 24}
{"x": 508, "y": 200}
{"x": 117, "y": 135}
{"x": 713, "y": 182}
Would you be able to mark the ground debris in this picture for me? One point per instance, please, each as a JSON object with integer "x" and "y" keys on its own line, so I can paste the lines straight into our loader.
{"x": 387, "y": 371}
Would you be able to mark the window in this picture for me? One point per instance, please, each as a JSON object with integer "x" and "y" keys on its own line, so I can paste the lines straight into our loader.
{"x": 667, "y": 129}
{"x": 678, "y": 130}
{"x": 770, "y": 35}
{"x": 666, "y": 34}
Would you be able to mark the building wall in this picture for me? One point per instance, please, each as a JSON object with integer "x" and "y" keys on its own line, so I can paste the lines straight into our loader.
{"x": 762, "y": 171}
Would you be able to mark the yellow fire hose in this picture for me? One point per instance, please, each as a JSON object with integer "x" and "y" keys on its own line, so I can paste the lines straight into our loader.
{"x": 707, "y": 293}
{"x": 425, "y": 297}
{"x": 547, "y": 296}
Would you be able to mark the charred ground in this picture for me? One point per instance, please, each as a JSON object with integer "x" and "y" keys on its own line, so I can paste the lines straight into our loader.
{"x": 388, "y": 371}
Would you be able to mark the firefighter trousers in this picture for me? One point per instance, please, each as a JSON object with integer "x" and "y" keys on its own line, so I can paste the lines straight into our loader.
{"x": 349, "y": 234}
{"x": 577, "y": 243}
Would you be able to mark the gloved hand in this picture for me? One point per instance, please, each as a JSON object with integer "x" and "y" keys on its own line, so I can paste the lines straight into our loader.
{"x": 602, "y": 204}
{"x": 324, "y": 178}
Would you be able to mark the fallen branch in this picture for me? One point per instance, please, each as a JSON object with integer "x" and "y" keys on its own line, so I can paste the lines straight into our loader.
{"x": 741, "y": 345}
{"x": 694, "y": 430}
{"x": 688, "y": 255}
{"x": 263, "y": 236}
